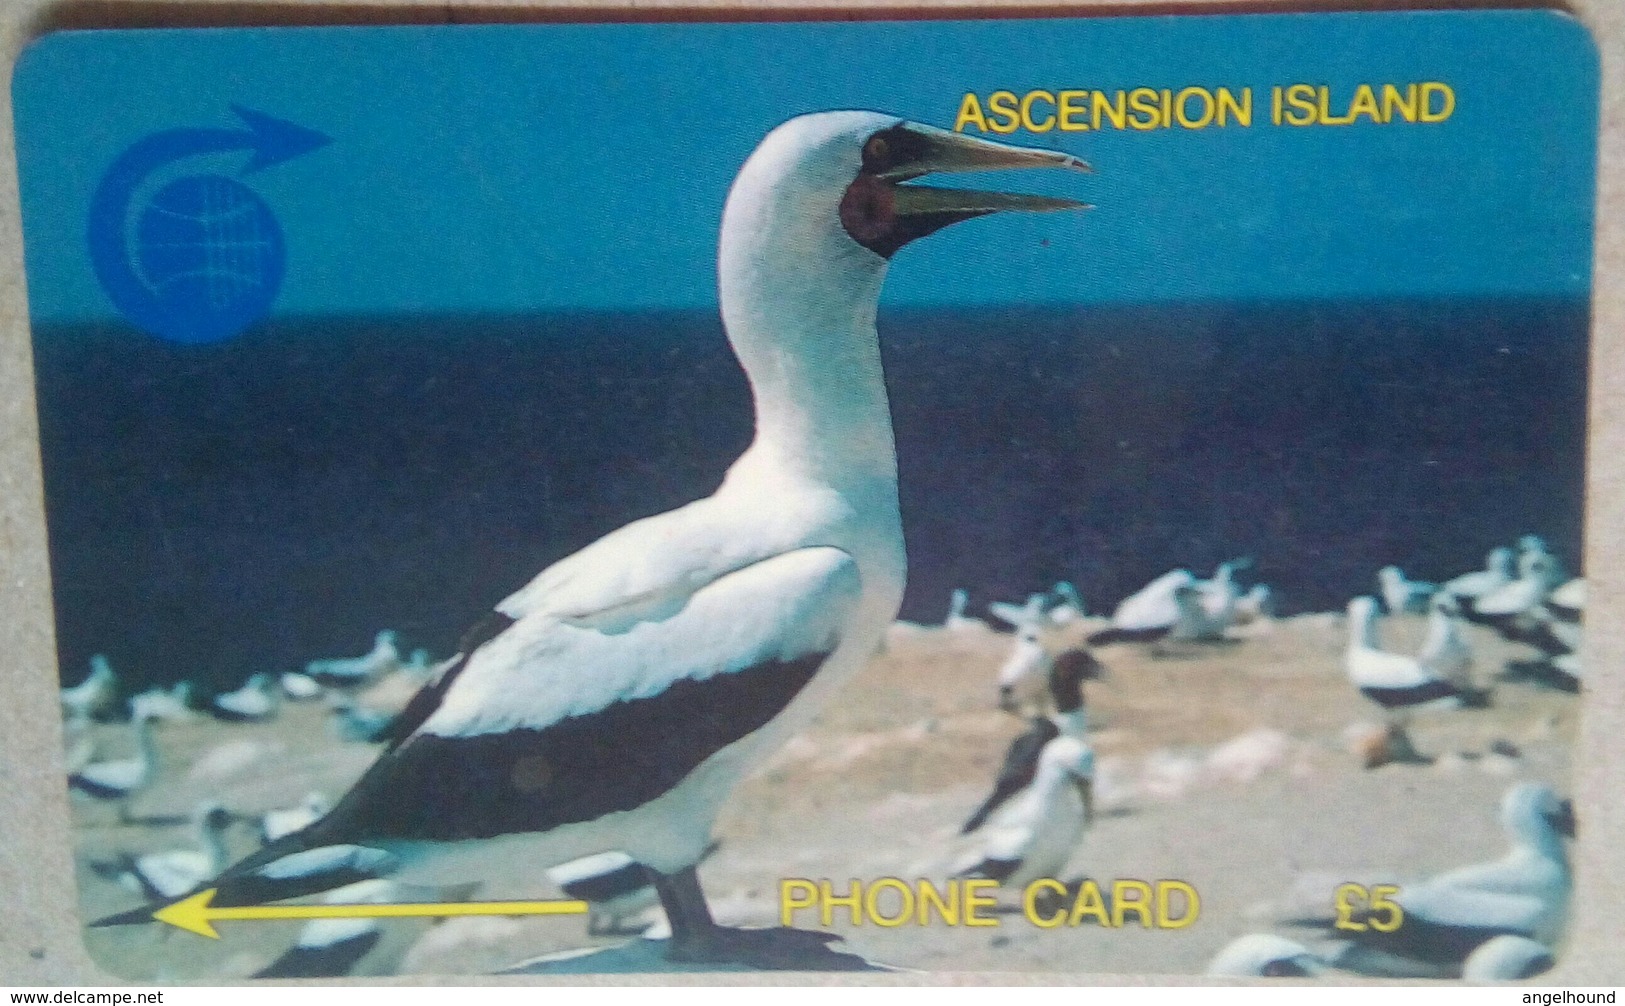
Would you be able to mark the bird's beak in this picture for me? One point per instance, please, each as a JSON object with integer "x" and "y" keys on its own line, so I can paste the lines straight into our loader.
{"x": 938, "y": 151}
{"x": 1564, "y": 822}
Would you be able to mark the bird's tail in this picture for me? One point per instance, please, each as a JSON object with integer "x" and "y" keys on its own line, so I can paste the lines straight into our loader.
{"x": 290, "y": 867}
{"x": 979, "y": 818}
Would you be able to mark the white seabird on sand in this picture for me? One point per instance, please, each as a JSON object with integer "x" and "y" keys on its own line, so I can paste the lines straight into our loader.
{"x": 1511, "y": 609}
{"x": 1029, "y": 615}
{"x": 119, "y": 779}
{"x": 1149, "y": 613}
{"x": 163, "y": 875}
{"x": 1197, "y": 622}
{"x": 299, "y": 687}
{"x": 383, "y": 657}
{"x": 1444, "y": 651}
{"x": 957, "y": 620}
{"x": 255, "y": 702}
{"x": 330, "y": 948}
{"x": 711, "y": 633}
{"x": 173, "y": 705}
{"x": 286, "y": 820}
{"x": 1535, "y": 558}
{"x": 1401, "y": 594}
{"x": 1027, "y": 667}
{"x": 1499, "y": 570}
{"x": 1068, "y": 606}
{"x": 93, "y": 696}
{"x": 1525, "y": 893}
{"x": 1043, "y": 797}
{"x": 615, "y": 886}
{"x": 1265, "y": 955}
{"x": 1393, "y": 681}
{"x": 1257, "y": 605}
{"x": 1221, "y": 593}
{"x": 1507, "y": 958}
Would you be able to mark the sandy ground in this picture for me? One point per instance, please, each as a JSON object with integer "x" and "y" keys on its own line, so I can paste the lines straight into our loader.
{"x": 1224, "y": 766}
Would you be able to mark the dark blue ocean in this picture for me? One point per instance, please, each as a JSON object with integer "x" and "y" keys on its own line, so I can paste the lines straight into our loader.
{"x": 220, "y": 510}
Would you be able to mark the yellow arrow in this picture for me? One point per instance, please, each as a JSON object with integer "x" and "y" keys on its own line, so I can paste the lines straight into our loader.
{"x": 195, "y": 915}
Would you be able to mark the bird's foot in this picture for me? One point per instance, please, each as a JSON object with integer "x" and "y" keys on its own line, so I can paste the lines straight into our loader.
{"x": 776, "y": 949}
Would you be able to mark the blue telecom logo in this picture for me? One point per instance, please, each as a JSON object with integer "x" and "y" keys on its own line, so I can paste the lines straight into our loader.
{"x": 201, "y": 258}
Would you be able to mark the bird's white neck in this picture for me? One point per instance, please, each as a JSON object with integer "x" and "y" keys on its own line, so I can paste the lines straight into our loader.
{"x": 1363, "y": 629}
{"x": 213, "y": 844}
{"x": 799, "y": 306}
{"x": 1071, "y": 724}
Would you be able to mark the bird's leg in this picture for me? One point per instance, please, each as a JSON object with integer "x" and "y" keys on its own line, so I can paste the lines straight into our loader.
{"x": 697, "y": 939}
{"x": 694, "y": 934}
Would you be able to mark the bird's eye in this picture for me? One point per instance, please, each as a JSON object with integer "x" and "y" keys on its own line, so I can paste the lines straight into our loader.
{"x": 875, "y": 149}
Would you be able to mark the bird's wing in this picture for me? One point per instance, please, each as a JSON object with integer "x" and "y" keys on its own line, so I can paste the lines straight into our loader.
{"x": 1379, "y": 669}
{"x": 1471, "y": 908}
{"x": 555, "y": 720}
{"x": 1014, "y": 614}
{"x": 1017, "y": 772}
{"x": 651, "y": 566}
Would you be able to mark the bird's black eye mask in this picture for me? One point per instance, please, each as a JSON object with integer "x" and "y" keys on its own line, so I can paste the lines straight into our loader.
{"x": 869, "y": 207}
{"x": 892, "y": 148}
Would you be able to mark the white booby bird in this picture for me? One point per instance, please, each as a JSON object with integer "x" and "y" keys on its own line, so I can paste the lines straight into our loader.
{"x": 1196, "y": 621}
{"x": 281, "y": 821}
{"x": 1029, "y": 615}
{"x": 710, "y": 633}
{"x": 255, "y": 702}
{"x": 1499, "y": 570}
{"x": 349, "y": 671}
{"x": 1507, "y": 958}
{"x": 1043, "y": 797}
{"x": 1265, "y": 955}
{"x": 119, "y": 779}
{"x": 330, "y": 948}
{"x": 615, "y": 886}
{"x": 1512, "y": 609}
{"x": 1525, "y": 893}
{"x": 173, "y": 704}
{"x": 93, "y": 696}
{"x": 1393, "y": 681}
{"x": 1149, "y": 613}
{"x": 1554, "y": 628}
{"x": 1068, "y": 604}
{"x": 957, "y": 620}
{"x": 1444, "y": 651}
{"x": 1401, "y": 594}
{"x": 299, "y": 687}
{"x": 163, "y": 875}
{"x": 1221, "y": 593}
{"x": 1535, "y": 558}
{"x": 1257, "y": 605}
{"x": 1027, "y": 667}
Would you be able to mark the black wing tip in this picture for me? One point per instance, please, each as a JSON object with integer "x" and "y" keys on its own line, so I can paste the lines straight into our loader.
{"x": 133, "y": 917}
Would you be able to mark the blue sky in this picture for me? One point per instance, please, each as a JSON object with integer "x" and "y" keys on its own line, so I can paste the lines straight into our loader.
{"x": 561, "y": 167}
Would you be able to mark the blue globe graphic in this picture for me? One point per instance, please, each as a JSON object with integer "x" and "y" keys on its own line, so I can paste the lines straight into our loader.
{"x": 211, "y": 253}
